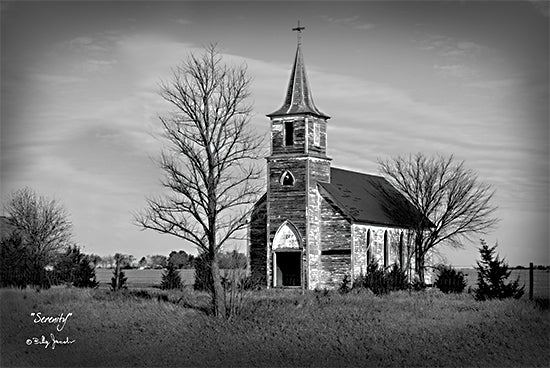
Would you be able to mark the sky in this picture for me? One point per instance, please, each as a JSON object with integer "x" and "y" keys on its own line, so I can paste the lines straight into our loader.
{"x": 80, "y": 101}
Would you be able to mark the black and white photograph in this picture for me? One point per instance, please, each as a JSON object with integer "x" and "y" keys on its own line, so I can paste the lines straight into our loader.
{"x": 274, "y": 183}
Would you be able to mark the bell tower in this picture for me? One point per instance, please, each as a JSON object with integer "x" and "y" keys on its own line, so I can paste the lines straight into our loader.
{"x": 297, "y": 162}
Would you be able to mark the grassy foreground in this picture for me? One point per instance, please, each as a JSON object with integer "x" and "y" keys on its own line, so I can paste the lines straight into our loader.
{"x": 275, "y": 328}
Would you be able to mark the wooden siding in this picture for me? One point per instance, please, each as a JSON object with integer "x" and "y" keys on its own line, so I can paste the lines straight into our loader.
{"x": 334, "y": 268}
{"x": 321, "y": 149}
{"x": 335, "y": 234}
{"x": 335, "y": 227}
{"x": 278, "y": 145}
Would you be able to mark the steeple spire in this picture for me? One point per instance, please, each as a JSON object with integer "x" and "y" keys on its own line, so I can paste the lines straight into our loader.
{"x": 298, "y": 98}
{"x": 298, "y": 31}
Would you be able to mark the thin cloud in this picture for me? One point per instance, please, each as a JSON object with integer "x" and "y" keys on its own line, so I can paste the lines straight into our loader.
{"x": 183, "y": 21}
{"x": 350, "y": 21}
{"x": 455, "y": 70}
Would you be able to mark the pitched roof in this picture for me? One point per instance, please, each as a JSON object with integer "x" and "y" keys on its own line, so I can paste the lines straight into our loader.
{"x": 298, "y": 98}
{"x": 368, "y": 199}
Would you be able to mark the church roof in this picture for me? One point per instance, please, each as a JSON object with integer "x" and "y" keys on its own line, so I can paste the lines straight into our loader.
{"x": 298, "y": 98}
{"x": 369, "y": 199}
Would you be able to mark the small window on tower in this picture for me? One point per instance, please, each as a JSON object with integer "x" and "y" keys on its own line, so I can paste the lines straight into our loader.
{"x": 316, "y": 134}
{"x": 287, "y": 179}
{"x": 289, "y": 133}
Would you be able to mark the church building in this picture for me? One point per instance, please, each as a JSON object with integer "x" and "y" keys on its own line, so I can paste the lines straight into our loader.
{"x": 317, "y": 223}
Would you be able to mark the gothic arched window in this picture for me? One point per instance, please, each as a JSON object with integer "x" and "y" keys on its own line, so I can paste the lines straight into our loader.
{"x": 401, "y": 245}
{"x": 369, "y": 251}
{"x": 287, "y": 179}
{"x": 386, "y": 249}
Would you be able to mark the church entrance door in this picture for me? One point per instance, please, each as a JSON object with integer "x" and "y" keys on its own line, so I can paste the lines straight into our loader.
{"x": 288, "y": 267}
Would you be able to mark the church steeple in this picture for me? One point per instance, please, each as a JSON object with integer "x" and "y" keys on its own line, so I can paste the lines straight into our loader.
{"x": 298, "y": 98}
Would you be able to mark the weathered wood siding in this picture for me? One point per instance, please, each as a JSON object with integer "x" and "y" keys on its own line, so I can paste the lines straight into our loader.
{"x": 257, "y": 242}
{"x": 278, "y": 145}
{"x": 287, "y": 202}
{"x": 321, "y": 148}
{"x": 335, "y": 246}
{"x": 303, "y": 136}
{"x": 319, "y": 170}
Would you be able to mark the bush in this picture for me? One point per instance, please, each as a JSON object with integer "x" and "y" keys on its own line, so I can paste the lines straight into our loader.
{"x": 418, "y": 285}
{"x": 171, "y": 278}
{"x": 450, "y": 280}
{"x": 491, "y": 275}
{"x": 397, "y": 278}
{"x": 380, "y": 282}
{"x": 345, "y": 286}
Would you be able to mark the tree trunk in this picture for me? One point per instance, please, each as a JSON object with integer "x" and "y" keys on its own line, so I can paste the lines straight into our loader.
{"x": 421, "y": 264}
{"x": 419, "y": 260}
{"x": 218, "y": 296}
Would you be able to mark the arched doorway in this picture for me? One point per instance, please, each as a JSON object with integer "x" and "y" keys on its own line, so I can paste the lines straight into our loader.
{"x": 287, "y": 256}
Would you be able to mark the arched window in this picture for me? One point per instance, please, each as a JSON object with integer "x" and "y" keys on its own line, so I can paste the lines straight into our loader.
{"x": 287, "y": 236}
{"x": 287, "y": 179}
{"x": 369, "y": 250}
{"x": 386, "y": 249}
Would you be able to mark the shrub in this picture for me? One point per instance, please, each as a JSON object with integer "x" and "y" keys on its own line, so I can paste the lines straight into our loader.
{"x": 345, "y": 286}
{"x": 375, "y": 280}
{"x": 491, "y": 275}
{"x": 450, "y": 280}
{"x": 396, "y": 278}
{"x": 418, "y": 285}
{"x": 171, "y": 278}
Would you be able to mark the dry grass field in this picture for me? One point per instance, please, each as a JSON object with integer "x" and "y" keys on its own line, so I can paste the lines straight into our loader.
{"x": 274, "y": 328}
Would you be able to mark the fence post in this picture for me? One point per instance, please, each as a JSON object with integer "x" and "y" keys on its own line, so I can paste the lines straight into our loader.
{"x": 530, "y": 280}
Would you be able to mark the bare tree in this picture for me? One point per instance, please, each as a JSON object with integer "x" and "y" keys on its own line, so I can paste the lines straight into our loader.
{"x": 450, "y": 203}
{"x": 209, "y": 161}
{"x": 42, "y": 223}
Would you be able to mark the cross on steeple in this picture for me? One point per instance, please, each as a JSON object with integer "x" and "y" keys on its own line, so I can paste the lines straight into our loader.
{"x": 299, "y": 32}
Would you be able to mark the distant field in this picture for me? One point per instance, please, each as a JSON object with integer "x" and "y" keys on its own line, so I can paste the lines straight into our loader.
{"x": 143, "y": 278}
{"x": 148, "y": 278}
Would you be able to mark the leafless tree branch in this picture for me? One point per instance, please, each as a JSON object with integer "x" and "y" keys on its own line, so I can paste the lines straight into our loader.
{"x": 209, "y": 162}
{"x": 452, "y": 202}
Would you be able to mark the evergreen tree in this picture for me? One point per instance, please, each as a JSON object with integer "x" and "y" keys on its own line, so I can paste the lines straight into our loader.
{"x": 171, "y": 278}
{"x": 85, "y": 274}
{"x": 491, "y": 276}
{"x": 76, "y": 268}
{"x": 118, "y": 281}
{"x": 18, "y": 266}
